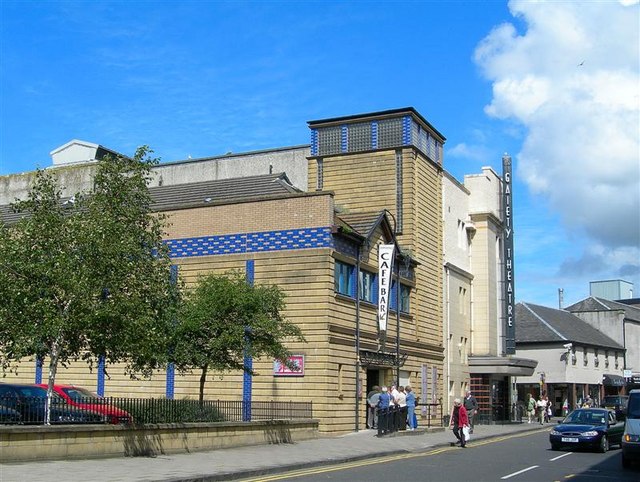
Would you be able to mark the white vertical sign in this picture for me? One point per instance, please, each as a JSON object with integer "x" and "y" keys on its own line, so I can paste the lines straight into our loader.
{"x": 385, "y": 271}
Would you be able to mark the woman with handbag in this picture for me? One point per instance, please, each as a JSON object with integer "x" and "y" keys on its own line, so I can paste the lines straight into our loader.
{"x": 459, "y": 420}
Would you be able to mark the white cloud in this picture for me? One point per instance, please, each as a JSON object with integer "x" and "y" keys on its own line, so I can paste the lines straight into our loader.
{"x": 573, "y": 82}
{"x": 469, "y": 151}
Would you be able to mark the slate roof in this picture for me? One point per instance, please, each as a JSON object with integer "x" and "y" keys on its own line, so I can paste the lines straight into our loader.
{"x": 600, "y": 304}
{"x": 221, "y": 190}
{"x": 363, "y": 223}
{"x": 540, "y": 324}
{"x": 203, "y": 193}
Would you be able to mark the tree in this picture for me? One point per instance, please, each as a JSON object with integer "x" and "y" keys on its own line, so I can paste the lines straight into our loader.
{"x": 223, "y": 318}
{"x": 88, "y": 277}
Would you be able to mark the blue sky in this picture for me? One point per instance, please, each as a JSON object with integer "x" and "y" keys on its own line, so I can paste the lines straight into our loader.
{"x": 542, "y": 81}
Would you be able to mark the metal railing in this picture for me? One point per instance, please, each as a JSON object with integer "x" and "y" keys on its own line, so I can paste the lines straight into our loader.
{"x": 31, "y": 410}
{"x": 391, "y": 419}
{"x": 430, "y": 411}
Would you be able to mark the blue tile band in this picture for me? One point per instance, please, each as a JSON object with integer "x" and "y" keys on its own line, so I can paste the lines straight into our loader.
{"x": 171, "y": 381}
{"x": 289, "y": 239}
{"x": 247, "y": 379}
{"x": 101, "y": 376}
{"x": 39, "y": 363}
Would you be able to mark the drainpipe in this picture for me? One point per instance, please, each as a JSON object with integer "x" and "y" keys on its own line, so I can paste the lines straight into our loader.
{"x": 447, "y": 336}
{"x": 358, "y": 382}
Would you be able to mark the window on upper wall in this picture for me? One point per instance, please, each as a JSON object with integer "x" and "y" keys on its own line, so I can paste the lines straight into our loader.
{"x": 606, "y": 359}
{"x": 343, "y": 278}
{"x": 405, "y": 295}
{"x": 462, "y": 300}
{"x": 596, "y": 358}
{"x": 367, "y": 286}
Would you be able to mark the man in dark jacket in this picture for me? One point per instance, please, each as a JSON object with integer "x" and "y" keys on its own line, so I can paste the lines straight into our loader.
{"x": 471, "y": 405}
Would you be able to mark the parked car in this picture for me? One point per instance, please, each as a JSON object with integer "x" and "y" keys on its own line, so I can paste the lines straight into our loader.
{"x": 9, "y": 415}
{"x": 83, "y": 398}
{"x": 631, "y": 435}
{"x": 30, "y": 402}
{"x": 594, "y": 428}
{"x": 617, "y": 403}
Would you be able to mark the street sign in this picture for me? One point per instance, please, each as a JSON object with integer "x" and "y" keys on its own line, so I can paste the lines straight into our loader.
{"x": 627, "y": 373}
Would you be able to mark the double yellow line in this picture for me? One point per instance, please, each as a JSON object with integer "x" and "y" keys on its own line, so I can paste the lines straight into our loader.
{"x": 382, "y": 460}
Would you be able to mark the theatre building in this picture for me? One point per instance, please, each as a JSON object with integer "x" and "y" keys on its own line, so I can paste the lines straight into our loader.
{"x": 312, "y": 219}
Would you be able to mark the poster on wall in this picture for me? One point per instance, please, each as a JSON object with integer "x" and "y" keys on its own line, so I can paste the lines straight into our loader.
{"x": 281, "y": 369}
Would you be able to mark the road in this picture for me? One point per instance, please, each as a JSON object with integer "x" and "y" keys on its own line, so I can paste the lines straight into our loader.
{"x": 514, "y": 458}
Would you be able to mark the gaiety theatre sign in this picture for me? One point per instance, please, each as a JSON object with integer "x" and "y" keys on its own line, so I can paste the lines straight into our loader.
{"x": 508, "y": 273}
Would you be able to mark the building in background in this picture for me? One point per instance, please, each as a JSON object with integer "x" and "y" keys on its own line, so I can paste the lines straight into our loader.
{"x": 611, "y": 289}
{"x": 620, "y": 322}
{"x": 574, "y": 358}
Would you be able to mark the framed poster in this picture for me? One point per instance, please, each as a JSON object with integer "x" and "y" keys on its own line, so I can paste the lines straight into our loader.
{"x": 282, "y": 370}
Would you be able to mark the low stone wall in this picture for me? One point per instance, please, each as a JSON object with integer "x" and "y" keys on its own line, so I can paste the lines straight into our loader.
{"x": 20, "y": 443}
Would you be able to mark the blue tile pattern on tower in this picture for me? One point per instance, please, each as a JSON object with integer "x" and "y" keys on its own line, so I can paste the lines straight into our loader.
{"x": 406, "y": 130}
{"x": 265, "y": 241}
{"x": 314, "y": 142}
{"x": 374, "y": 135}
{"x": 344, "y": 138}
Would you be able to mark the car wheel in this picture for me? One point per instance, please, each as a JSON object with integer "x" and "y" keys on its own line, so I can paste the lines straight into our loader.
{"x": 555, "y": 447}
{"x": 604, "y": 444}
{"x": 626, "y": 463}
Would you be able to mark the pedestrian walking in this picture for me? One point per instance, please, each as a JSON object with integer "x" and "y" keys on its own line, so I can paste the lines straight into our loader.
{"x": 541, "y": 406}
{"x": 471, "y": 405}
{"x": 372, "y": 403}
{"x": 531, "y": 408}
{"x": 459, "y": 421}
{"x": 411, "y": 408}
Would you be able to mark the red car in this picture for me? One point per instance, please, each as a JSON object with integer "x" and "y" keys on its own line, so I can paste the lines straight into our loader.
{"x": 83, "y": 398}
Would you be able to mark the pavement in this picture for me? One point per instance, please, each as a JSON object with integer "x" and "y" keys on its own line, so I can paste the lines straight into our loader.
{"x": 249, "y": 461}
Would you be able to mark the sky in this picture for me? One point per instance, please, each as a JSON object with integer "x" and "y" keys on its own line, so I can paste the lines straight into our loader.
{"x": 555, "y": 84}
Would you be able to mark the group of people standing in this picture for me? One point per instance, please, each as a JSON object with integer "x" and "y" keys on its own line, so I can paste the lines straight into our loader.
{"x": 539, "y": 410}
{"x": 380, "y": 398}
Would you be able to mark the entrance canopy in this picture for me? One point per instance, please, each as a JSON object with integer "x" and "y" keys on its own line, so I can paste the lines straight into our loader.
{"x": 613, "y": 380}
{"x": 512, "y": 366}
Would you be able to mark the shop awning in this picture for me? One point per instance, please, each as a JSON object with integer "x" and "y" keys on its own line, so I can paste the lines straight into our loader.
{"x": 613, "y": 380}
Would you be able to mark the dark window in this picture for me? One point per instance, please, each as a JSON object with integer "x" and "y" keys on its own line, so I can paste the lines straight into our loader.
{"x": 344, "y": 282}
{"x": 368, "y": 287}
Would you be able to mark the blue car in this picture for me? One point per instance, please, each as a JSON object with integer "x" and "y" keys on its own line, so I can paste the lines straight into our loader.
{"x": 592, "y": 428}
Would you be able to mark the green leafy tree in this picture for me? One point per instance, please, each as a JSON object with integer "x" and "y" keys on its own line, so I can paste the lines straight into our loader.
{"x": 223, "y": 318}
{"x": 88, "y": 277}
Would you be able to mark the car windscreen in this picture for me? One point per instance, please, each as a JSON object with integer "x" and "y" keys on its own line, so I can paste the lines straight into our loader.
{"x": 78, "y": 394}
{"x": 633, "y": 409}
{"x": 36, "y": 392}
{"x": 587, "y": 417}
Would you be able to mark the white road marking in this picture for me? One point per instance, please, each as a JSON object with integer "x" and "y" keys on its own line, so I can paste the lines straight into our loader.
{"x": 519, "y": 472}
{"x": 559, "y": 457}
